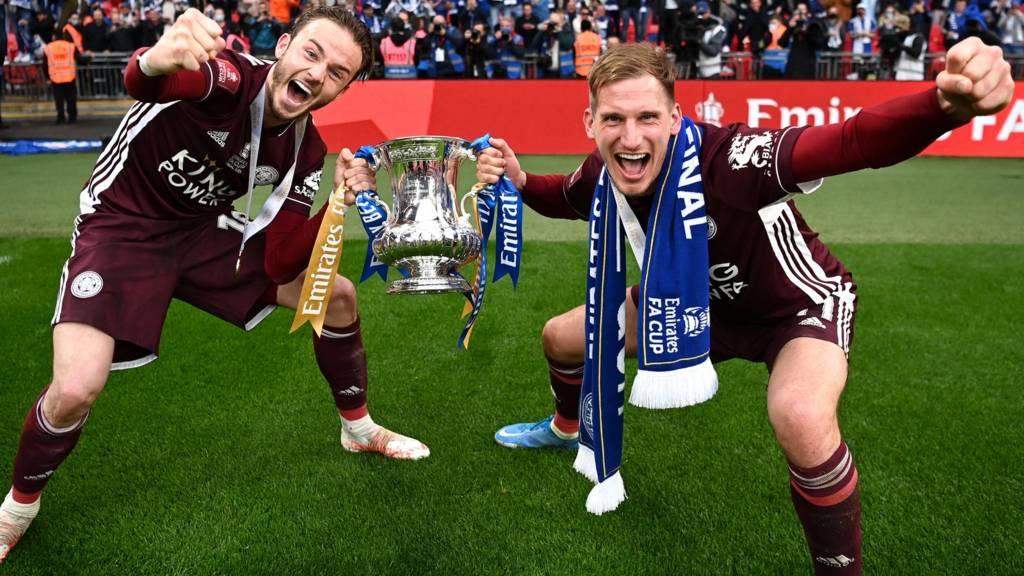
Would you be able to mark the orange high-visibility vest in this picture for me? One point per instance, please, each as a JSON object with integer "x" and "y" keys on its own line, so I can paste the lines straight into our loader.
{"x": 76, "y": 36}
{"x": 588, "y": 48}
{"x": 60, "y": 60}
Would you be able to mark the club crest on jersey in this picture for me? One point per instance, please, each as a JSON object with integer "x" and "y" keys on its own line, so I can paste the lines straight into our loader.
{"x": 266, "y": 175}
{"x": 751, "y": 150}
{"x": 587, "y": 417}
{"x": 712, "y": 228}
{"x": 87, "y": 284}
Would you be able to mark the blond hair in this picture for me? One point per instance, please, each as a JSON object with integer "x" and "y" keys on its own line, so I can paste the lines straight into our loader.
{"x": 628, "y": 61}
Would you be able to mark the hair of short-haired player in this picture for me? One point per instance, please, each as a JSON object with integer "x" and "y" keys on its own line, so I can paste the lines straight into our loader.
{"x": 347, "y": 21}
{"x": 628, "y": 61}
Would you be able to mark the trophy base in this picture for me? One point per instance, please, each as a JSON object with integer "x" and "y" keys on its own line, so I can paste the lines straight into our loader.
{"x": 428, "y": 285}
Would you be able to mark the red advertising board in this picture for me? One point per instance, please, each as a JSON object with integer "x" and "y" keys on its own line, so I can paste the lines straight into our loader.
{"x": 546, "y": 116}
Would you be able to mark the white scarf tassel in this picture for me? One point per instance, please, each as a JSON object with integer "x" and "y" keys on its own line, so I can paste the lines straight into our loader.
{"x": 676, "y": 388}
{"x": 607, "y": 495}
{"x": 585, "y": 463}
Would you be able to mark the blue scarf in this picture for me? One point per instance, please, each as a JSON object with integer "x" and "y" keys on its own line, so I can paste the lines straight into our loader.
{"x": 673, "y": 335}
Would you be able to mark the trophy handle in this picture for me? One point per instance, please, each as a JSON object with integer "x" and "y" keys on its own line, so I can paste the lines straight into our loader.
{"x": 471, "y": 194}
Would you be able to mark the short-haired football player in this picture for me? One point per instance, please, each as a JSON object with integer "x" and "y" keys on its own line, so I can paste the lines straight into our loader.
{"x": 778, "y": 296}
{"x": 156, "y": 223}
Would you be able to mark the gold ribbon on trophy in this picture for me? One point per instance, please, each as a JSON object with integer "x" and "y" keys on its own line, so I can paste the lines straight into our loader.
{"x": 323, "y": 265}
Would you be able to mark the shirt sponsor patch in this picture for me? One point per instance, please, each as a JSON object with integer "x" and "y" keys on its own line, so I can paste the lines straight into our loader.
{"x": 751, "y": 150}
{"x": 226, "y": 76}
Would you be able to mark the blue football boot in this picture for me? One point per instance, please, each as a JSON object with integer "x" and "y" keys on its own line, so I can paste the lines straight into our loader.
{"x": 533, "y": 435}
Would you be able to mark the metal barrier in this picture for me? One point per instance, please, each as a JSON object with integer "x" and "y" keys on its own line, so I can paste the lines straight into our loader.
{"x": 95, "y": 81}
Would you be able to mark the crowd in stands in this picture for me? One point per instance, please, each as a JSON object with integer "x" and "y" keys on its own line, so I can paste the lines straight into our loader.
{"x": 553, "y": 38}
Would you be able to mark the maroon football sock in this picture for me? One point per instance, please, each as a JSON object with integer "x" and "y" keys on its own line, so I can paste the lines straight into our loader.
{"x": 342, "y": 360}
{"x": 41, "y": 450}
{"x": 828, "y": 504}
{"x": 566, "y": 380}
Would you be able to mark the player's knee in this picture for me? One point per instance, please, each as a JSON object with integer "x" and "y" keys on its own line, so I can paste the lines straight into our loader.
{"x": 557, "y": 340}
{"x": 70, "y": 397}
{"x": 342, "y": 309}
{"x": 800, "y": 420}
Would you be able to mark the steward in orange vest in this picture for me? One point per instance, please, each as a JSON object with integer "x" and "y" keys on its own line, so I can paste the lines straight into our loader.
{"x": 61, "y": 55}
{"x": 587, "y": 48}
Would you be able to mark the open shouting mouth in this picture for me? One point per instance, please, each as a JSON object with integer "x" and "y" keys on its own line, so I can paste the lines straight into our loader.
{"x": 632, "y": 164}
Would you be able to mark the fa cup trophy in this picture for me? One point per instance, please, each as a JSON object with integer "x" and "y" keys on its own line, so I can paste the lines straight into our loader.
{"x": 428, "y": 232}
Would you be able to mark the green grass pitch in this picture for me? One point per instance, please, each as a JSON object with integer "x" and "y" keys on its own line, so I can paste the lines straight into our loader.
{"x": 223, "y": 456}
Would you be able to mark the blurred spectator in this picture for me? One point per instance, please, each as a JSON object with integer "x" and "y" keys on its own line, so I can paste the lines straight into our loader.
{"x": 438, "y": 54}
{"x": 151, "y": 29}
{"x": 471, "y": 14}
{"x": 612, "y": 11}
{"x": 510, "y": 49}
{"x": 586, "y": 49}
{"x": 513, "y": 9}
{"x": 418, "y": 8}
{"x": 755, "y": 35}
{"x": 74, "y": 28}
{"x": 22, "y": 16}
{"x": 263, "y": 31}
{"x": 123, "y": 37}
{"x": 61, "y": 58}
{"x": 668, "y": 23}
{"x": 804, "y": 37}
{"x": 954, "y": 25}
{"x": 1011, "y": 29}
{"x": 912, "y": 49}
{"x": 94, "y": 34}
{"x": 635, "y": 12}
{"x": 375, "y": 23}
{"x": 920, "y": 19}
{"x": 887, "y": 19}
{"x": 479, "y": 50}
{"x": 235, "y": 38}
{"x": 890, "y": 40}
{"x": 974, "y": 25}
{"x": 43, "y": 26}
{"x": 582, "y": 14}
{"x": 862, "y": 29}
{"x": 398, "y": 51}
{"x": 526, "y": 25}
{"x": 835, "y": 31}
{"x": 712, "y": 35}
{"x": 601, "y": 23}
{"x": 282, "y": 10}
{"x": 555, "y": 47}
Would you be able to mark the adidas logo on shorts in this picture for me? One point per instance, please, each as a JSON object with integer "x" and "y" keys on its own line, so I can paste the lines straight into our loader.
{"x": 813, "y": 321}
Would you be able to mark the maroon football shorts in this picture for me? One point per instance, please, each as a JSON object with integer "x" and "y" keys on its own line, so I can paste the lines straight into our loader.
{"x": 124, "y": 270}
{"x": 831, "y": 321}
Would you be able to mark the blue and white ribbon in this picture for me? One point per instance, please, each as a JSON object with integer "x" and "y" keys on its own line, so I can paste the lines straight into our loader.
{"x": 373, "y": 214}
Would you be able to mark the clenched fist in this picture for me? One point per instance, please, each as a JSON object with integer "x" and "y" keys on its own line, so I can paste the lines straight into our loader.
{"x": 976, "y": 81}
{"x": 192, "y": 41}
{"x": 354, "y": 173}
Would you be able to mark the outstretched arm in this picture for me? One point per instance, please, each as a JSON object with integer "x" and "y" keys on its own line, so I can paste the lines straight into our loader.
{"x": 976, "y": 82}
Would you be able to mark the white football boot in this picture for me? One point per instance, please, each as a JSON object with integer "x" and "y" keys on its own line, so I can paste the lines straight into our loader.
{"x": 15, "y": 519}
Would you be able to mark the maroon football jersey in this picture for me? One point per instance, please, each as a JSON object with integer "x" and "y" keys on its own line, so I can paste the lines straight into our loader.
{"x": 765, "y": 262}
{"x": 184, "y": 159}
